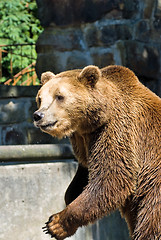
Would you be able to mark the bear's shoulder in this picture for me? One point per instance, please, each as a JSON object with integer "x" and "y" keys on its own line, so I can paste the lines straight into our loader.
{"x": 119, "y": 75}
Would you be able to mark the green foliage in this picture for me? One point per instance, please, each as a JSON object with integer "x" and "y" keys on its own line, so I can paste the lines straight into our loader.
{"x": 19, "y": 25}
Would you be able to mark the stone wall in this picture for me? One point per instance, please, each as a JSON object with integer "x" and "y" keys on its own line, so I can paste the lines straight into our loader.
{"x": 101, "y": 32}
{"x": 17, "y": 105}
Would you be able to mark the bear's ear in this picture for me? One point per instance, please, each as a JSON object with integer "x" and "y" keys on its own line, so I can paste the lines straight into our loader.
{"x": 46, "y": 76}
{"x": 90, "y": 75}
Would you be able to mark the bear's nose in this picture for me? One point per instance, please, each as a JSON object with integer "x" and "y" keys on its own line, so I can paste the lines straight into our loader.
{"x": 38, "y": 116}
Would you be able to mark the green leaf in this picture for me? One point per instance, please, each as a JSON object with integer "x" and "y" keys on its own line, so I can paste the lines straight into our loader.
{"x": 19, "y": 25}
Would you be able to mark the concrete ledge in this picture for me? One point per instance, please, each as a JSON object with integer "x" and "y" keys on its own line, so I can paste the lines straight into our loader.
{"x": 36, "y": 152}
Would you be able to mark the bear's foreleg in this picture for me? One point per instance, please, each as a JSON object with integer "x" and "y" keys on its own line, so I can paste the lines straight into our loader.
{"x": 89, "y": 206}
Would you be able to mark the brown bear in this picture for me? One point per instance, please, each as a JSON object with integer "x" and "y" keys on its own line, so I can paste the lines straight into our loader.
{"x": 114, "y": 125}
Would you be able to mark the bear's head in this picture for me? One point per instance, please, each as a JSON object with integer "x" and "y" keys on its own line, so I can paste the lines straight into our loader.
{"x": 70, "y": 101}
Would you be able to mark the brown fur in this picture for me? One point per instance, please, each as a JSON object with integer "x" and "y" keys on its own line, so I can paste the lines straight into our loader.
{"x": 114, "y": 124}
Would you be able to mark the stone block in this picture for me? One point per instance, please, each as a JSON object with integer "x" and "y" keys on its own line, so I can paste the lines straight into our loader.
{"x": 60, "y": 39}
{"x": 120, "y": 53}
{"x": 32, "y": 109}
{"x": 143, "y": 59}
{"x": 143, "y": 31}
{"x": 36, "y": 136}
{"x": 148, "y": 8}
{"x": 49, "y": 62}
{"x": 115, "y": 13}
{"x": 0, "y": 135}
{"x": 102, "y": 57}
{"x": 14, "y": 135}
{"x": 156, "y": 30}
{"x": 17, "y": 91}
{"x": 130, "y": 8}
{"x": 13, "y": 110}
{"x": 111, "y": 33}
{"x": 91, "y": 35}
{"x": 148, "y": 31}
{"x": 157, "y": 13}
{"x": 77, "y": 59}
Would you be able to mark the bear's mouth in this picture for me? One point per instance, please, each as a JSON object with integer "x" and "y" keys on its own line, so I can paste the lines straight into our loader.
{"x": 48, "y": 125}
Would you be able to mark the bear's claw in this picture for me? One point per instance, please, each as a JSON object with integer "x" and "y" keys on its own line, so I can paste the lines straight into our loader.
{"x": 54, "y": 228}
{"x": 45, "y": 230}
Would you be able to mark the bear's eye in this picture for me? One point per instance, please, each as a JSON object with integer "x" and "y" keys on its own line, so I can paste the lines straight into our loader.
{"x": 59, "y": 97}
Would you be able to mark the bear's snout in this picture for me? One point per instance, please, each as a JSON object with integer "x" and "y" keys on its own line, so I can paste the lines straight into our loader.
{"x": 37, "y": 116}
